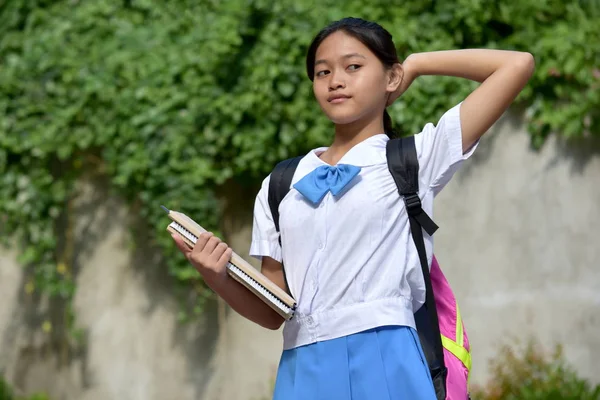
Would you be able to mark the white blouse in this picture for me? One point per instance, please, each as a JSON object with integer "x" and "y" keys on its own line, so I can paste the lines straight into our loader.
{"x": 350, "y": 262}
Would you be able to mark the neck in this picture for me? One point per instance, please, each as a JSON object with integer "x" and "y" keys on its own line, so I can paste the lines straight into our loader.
{"x": 349, "y": 135}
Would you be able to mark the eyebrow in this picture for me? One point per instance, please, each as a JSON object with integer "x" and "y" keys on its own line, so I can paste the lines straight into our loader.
{"x": 322, "y": 61}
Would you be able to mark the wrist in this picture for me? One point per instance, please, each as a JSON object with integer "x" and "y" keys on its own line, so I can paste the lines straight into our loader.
{"x": 216, "y": 280}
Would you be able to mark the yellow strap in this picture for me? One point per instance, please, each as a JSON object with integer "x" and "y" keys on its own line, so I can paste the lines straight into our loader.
{"x": 459, "y": 328}
{"x": 459, "y": 352}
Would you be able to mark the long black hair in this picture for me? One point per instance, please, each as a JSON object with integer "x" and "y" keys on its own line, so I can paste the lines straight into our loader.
{"x": 372, "y": 35}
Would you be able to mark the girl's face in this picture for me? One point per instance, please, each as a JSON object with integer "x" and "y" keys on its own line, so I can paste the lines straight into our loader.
{"x": 350, "y": 82}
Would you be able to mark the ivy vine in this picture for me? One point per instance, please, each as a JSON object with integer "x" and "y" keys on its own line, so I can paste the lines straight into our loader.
{"x": 170, "y": 100}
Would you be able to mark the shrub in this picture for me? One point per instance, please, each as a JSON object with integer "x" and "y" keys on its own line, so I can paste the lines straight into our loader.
{"x": 529, "y": 373}
{"x": 6, "y": 393}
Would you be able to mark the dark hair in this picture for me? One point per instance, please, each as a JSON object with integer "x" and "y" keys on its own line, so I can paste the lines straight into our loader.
{"x": 372, "y": 35}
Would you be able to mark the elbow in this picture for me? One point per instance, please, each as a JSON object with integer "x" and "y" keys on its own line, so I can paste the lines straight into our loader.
{"x": 274, "y": 327}
{"x": 274, "y": 323}
{"x": 526, "y": 63}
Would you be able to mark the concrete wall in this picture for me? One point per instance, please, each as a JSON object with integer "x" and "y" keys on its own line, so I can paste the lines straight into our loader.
{"x": 518, "y": 242}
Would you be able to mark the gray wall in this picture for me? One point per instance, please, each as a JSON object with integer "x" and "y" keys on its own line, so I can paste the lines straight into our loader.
{"x": 518, "y": 242}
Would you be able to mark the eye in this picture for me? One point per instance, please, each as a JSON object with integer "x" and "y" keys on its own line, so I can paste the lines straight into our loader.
{"x": 354, "y": 67}
{"x": 322, "y": 73}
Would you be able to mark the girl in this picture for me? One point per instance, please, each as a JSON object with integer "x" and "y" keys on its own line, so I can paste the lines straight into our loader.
{"x": 345, "y": 238}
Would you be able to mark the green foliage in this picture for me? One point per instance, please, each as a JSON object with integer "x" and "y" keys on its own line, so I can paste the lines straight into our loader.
{"x": 6, "y": 393}
{"x": 527, "y": 373}
{"x": 169, "y": 100}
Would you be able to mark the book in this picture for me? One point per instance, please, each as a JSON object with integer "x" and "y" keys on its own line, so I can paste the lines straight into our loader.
{"x": 238, "y": 268}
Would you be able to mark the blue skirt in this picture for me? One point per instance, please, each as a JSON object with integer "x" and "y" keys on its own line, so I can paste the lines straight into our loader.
{"x": 385, "y": 363}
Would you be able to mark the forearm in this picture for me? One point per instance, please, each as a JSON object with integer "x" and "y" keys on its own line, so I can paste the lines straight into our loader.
{"x": 245, "y": 303}
{"x": 473, "y": 64}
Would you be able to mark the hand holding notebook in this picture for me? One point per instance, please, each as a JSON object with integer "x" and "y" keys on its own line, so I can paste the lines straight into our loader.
{"x": 210, "y": 256}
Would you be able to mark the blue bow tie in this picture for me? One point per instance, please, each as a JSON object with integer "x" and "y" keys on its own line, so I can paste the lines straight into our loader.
{"x": 315, "y": 185}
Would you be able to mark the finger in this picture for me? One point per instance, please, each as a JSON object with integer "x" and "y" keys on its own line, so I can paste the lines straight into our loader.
{"x": 181, "y": 245}
{"x": 218, "y": 251}
{"x": 201, "y": 241}
{"x": 212, "y": 243}
{"x": 199, "y": 255}
{"x": 226, "y": 256}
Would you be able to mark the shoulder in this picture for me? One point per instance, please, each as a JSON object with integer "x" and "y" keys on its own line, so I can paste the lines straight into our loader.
{"x": 283, "y": 171}
{"x": 446, "y": 129}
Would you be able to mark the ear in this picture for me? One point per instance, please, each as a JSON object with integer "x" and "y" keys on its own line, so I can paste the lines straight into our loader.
{"x": 395, "y": 76}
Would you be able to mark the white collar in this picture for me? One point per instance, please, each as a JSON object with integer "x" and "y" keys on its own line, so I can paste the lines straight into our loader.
{"x": 370, "y": 151}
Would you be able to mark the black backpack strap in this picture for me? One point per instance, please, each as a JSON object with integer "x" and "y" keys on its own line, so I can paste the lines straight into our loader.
{"x": 404, "y": 167}
{"x": 279, "y": 186}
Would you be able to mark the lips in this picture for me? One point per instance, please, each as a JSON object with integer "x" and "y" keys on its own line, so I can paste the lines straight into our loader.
{"x": 338, "y": 98}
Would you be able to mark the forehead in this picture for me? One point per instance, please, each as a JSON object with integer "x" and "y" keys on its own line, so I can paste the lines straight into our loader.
{"x": 339, "y": 44}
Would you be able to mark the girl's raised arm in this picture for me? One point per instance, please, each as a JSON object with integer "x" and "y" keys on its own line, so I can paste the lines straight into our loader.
{"x": 503, "y": 75}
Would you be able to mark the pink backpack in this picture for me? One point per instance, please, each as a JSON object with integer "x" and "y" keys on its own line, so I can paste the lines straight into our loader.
{"x": 457, "y": 352}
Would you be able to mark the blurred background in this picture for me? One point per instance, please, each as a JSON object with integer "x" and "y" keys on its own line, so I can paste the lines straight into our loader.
{"x": 110, "y": 108}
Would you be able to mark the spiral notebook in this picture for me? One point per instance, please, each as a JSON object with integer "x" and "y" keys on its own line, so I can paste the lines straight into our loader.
{"x": 237, "y": 268}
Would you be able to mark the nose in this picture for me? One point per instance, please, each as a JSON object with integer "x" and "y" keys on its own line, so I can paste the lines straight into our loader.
{"x": 336, "y": 81}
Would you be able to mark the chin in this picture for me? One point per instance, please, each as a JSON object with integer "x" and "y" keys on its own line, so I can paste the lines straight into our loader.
{"x": 342, "y": 117}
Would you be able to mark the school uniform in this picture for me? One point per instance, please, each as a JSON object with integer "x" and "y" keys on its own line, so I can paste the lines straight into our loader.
{"x": 352, "y": 266}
